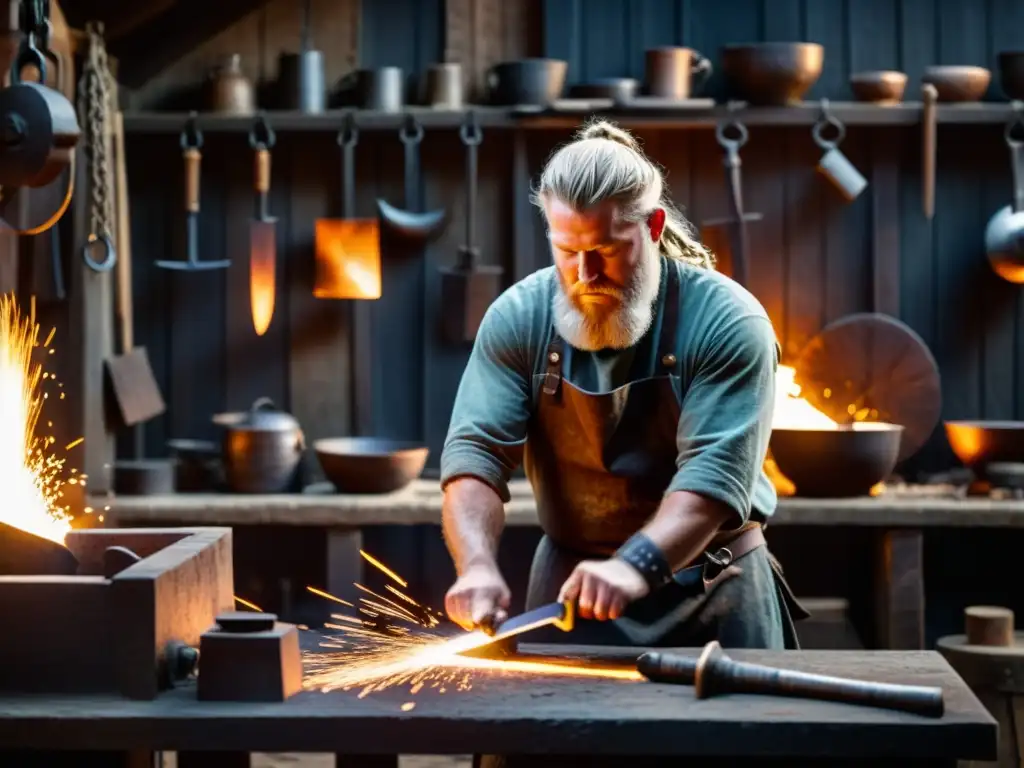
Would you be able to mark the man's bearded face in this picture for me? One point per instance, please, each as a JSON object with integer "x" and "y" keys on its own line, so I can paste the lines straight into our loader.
{"x": 609, "y": 275}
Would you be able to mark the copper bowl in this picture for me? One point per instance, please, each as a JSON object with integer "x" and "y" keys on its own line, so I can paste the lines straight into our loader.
{"x": 883, "y": 88}
{"x": 978, "y": 443}
{"x": 834, "y": 463}
{"x": 370, "y": 464}
{"x": 1011, "y": 74}
{"x": 772, "y": 74}
{"x": 958, "y": 83}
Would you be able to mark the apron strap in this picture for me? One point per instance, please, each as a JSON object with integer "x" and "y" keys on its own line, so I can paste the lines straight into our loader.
{"x": 669, "y": 318}
{"x": 553, "y": 373}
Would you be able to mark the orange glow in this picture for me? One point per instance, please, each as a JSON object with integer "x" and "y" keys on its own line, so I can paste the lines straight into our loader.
{"x": 347, "y": 259}
{"x": 30, "y": 474}
{"x": 262, "y": 279}
{"x": 793, "y": 411}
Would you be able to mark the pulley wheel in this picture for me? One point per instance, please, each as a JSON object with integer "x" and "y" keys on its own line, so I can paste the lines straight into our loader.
{"x": 872, "y": 367}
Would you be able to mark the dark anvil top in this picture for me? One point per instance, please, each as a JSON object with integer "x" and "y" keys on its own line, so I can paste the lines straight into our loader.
{"x": 516, "y": 713}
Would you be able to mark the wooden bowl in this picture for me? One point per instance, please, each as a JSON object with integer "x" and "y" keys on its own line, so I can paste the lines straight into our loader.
{"x": 958, "y": 83}
{"x": 370, "y": 464}
{"x": 772, "y": 74}
{"x": 835, "y": 463}
{"x": 883, "y": 88}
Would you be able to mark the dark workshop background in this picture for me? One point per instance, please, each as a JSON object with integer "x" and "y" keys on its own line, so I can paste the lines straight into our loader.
{"x": 811, "y": 253}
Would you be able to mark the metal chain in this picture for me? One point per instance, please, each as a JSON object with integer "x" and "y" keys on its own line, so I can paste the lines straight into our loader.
{"x": 94, "y": 112}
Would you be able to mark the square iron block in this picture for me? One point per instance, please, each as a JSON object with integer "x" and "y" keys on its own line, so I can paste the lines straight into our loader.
{"x": 249, "y": 657}
{"x": 465, "y": 296}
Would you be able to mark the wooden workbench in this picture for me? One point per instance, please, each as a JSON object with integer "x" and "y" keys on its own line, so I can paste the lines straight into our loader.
{"x": 536, "y": 715}
{"x": 900, "y": 516}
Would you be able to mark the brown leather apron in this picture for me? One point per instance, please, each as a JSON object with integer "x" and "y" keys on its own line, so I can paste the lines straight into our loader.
{"x": 599, "y": 465}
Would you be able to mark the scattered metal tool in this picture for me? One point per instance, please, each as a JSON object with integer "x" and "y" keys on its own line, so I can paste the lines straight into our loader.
{"x": 468, "y": 288}
{"x": 191, "y": 146}
{"x": 834, "y": 165}
{"x": 410, "y": 223}
{"x": 732, "y": 136}
{"x": 262, "y": 231}
{"x": 714, "y": 673}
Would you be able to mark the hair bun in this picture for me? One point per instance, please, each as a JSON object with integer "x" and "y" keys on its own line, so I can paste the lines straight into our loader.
{"x": 604, "y": 129}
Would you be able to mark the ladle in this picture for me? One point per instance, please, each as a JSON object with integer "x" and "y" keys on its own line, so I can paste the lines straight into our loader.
{"x": 1004, "y": 235}
{"x": 409, "y": 223}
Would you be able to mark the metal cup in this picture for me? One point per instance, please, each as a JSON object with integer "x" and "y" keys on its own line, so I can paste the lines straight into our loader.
{"x": 443, "y": 87}
{"x": 382, "y": 90}
{"x": 833, "y": 164}
{"x": 675, "y": 73}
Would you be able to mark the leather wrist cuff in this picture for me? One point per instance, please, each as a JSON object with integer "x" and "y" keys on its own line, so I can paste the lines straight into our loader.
{"x": 644, "y": 555}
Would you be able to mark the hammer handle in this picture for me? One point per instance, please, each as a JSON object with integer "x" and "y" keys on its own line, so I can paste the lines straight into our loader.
{"x": 193, "y": 159}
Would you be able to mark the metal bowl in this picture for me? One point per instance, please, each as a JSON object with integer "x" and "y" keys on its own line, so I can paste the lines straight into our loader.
{"x": 977, "y": 443}
{"x": 772, "y": 74}
{"x": 832, "y": 463}
{"x": 370, "y": 464}
{"x": 1011, "y": 74}
{"x": 958, "y": 83}
{"x": 882, "y": 88}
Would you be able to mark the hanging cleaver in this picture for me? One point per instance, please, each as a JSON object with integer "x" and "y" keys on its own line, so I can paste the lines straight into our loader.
{"x": 262, "y": 244}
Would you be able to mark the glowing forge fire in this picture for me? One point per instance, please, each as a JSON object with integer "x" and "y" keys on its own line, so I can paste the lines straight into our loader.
{"x": 398, "y": 642}
{"x": 30, "y": 474}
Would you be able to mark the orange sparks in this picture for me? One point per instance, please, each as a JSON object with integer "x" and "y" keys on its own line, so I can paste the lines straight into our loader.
{"x": 384, "y": 569}
{"x": 247, "y": 604}
{"x": 321, "y": 593}
{"x": 74, "y": 444}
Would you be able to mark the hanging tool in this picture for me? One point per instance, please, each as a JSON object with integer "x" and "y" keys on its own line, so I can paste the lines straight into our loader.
{"x": 834, "y": 165}
{"x": 732, "y": 136}
{"x": 929, "y": 118}
{"x": 348, "y": 249}
{"x": 409, "y": 223}
{"x": 40, "y": 128}
{"x": 262, "y": 232}
{"x": 191, "y": 146}
{"x": 468, "y": 289}
{"x": 1004, "y": 233}
{"x": 98, "y": 253}
{"x": 714, "y": 673}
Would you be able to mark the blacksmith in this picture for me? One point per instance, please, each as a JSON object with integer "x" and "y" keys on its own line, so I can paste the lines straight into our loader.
{"x": 636, "y": 384}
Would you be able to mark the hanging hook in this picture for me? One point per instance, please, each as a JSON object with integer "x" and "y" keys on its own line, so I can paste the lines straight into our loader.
{"x": 470, "y": 131}
{"x": 826, "y": 121}
{"x": 261, "y": 136}
{"x": 1014, "y": 131}
{"x": 348, "y": 136}
{"x": 191, "y": 136}
{"x": 411, "y": 131}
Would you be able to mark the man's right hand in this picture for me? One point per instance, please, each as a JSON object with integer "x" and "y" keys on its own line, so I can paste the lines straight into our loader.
{"x": 479, "y": 597}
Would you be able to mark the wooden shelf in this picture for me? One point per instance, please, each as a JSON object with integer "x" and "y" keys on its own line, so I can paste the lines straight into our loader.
{"x": 850, "y": 113}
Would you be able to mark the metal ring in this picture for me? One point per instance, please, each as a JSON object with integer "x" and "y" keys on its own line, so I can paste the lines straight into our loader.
{"x": 742, "y": 134}
{"x": 411, "y": 131}
{"x": 28, "y": 55}
{"x": 261, "y": 126}
{"x": 348, "y": 136}
{"x": 191, "y": 136}
{"x": 109, "y": 258}
{"x": 722, "y": 558}
{"x": 470, "y": 131}
{"x": 826, "y": 120}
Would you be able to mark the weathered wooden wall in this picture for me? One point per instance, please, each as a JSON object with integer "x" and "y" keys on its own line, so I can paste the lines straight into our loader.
{"x": 812, "y": 253}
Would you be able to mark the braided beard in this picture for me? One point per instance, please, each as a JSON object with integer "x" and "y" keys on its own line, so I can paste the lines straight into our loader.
{"x": 592, "y": 328}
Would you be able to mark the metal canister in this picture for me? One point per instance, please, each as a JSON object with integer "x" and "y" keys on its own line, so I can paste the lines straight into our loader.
{"x": 263, "y": 450}
{"x": 229, "y": 91}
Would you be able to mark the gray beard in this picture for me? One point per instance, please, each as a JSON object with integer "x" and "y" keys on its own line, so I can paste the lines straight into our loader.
{"x": 621, "y": 328}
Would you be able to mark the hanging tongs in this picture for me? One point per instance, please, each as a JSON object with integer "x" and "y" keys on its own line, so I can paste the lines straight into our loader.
{"x": 191, "y": 150}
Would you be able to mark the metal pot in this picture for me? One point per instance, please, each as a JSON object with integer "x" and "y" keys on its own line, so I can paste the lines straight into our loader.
{"x": 263, "y": 450}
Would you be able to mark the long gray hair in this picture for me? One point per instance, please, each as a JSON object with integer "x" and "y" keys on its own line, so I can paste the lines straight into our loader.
{"x": 605, "y": 162}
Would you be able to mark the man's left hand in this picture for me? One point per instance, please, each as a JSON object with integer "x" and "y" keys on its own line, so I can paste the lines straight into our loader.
{"x": 601, "y": 589}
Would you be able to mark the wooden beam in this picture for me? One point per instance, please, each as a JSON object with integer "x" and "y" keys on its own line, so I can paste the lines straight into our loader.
{"x": 152, "y": 47}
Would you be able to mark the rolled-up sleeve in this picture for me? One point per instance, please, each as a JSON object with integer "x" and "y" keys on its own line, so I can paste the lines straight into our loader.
{"x": 487, "y": 431}
{"x": 726, "y": 419}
